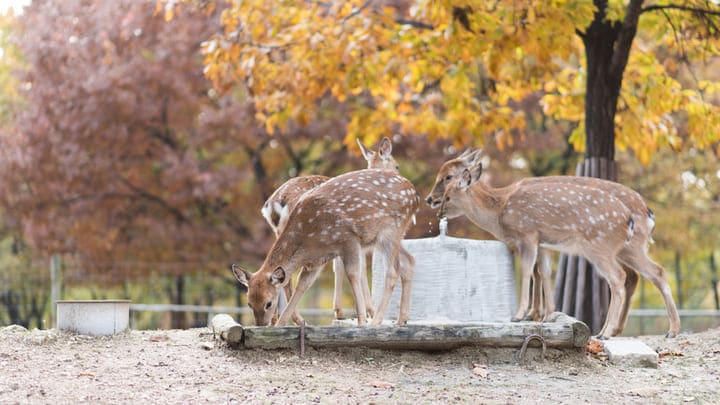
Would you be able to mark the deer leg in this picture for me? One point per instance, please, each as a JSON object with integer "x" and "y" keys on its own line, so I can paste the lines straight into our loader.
{"x": 339, "y": 270}
{"x": 631, "y": 282}
{"x": 369, "y": 307}
{"x": 306, "y": 278}
{"x": 528, "y": 256}
{"x": 351, "y": 259}
{"x": 613, "y": 273}
{"x": 406, "y": 267}
{"x": 535, "y": 312}
{"x": 389, "y": 250}
{"x": 289, "y": 293}
{"x": 655, "y": 273}
{"x": 546, "y": 276}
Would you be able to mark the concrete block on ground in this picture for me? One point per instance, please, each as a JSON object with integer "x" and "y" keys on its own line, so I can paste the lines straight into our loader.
{"x": 630, "y": 352}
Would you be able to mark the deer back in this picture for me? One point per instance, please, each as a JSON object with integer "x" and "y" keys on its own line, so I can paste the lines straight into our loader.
{"x": 353, "y": 207}
{"x": 567, "y": 216}
{"x": 277, "y": 208}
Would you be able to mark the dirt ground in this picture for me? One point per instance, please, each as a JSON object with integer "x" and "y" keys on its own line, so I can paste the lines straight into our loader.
{"x": 186, "y": 366}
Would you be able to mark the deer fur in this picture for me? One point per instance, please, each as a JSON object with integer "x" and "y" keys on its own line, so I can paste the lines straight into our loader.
{"x": 278, "y": 206}
{"x": 347, "y": 215}
{"x": 573, "y": 217}
{"x": 542, "y": 303}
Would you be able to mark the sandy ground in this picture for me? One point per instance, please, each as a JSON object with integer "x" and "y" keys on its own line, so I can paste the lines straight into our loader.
{"x": 186, "y": 366}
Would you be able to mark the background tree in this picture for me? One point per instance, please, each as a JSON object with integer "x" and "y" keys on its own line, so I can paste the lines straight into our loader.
{"x": 455, "y": 69}
{"x": 119, "y": 157}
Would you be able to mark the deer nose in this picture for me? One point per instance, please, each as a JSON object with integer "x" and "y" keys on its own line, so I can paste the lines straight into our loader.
{"x": 429, "y": 200}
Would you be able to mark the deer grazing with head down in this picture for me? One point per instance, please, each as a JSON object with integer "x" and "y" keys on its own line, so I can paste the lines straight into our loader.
{"x": 342, "y": 217}
{"x": 642, "y": 216}
{"x": 573, "y": 217}
{"x": 278, "y": 206}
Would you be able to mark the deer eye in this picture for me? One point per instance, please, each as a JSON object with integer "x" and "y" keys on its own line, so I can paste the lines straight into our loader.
{"x": 448, "y": 177}
{"x": 268, "y": 305}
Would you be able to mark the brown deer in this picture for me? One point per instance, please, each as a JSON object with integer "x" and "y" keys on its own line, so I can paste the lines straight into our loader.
{"x": 643, "y": 218}
{"x": 342, "y": 217}
{"x": 574, "y": 218}
{"x": 278, "y": 206}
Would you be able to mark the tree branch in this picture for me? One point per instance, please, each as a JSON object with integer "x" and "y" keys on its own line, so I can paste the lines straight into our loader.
{"x": 416, "y": 24}
{"x": 655, "y": 7}
{"x": 625, "y": 37}
{"x": 153, "y": 198}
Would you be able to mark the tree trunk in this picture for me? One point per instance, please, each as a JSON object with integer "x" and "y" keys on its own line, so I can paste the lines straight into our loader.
{"x": 178, "y": 320}
{"x": 579, "y": 291}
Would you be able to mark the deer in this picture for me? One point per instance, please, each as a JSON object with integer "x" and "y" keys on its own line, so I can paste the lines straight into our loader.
{"x": 642, "y": 215}
{"x": 278, "y": 206}
{"x": 344, "y": 217}
{"x": 574, "y": 218}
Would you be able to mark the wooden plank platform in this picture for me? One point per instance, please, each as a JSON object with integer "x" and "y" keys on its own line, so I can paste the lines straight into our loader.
{"x": 560, "y": 331}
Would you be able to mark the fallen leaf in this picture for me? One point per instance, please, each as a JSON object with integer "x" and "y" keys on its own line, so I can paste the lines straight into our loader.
{"x": 380, "y": 384}
{"x": 480, "y": 370}
{"x": 688, "y": 399}
{"x": 159, "y": 338}
{"x": 594, "y": 347}
{"x": 207, "y": 345}
{"x": 86, "y": 375}
{"x": 674, "y": 353}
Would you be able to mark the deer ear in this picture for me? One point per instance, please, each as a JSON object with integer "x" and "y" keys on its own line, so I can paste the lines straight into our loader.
{"x": 465, "y": 179}
{"x": 241, "y": 275}
{"x": 364, "y": 151}
{"x": 278, "y": 276}
{"x": 475, "y": 171}
{"x": 385, "y": 147}
{"x": 473, "y": 158}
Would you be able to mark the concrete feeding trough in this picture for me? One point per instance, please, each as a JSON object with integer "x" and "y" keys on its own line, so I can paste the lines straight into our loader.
{"x": 456, "y": 280}
{"x": 93, "y": 317}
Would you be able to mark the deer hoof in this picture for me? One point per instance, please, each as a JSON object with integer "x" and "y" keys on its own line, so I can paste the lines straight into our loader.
{"x": 514, "y": 319}
{"x": 671, "y": 335}
{"x": 339, "y": 314}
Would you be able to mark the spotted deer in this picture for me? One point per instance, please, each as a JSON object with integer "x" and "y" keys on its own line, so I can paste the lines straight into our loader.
{"x": 278, "y": 206}
{"x": 642, "y": 216}
{"x": 343, "y": 217}
{"x": 574, "y": 218}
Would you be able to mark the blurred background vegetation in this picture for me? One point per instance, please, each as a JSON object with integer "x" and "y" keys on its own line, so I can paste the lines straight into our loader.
{"x": 121, "y": 156}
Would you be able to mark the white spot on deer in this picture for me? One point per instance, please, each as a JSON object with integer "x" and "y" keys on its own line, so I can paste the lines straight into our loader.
{"x": 375, "y": 182}
{"x": 588, "y": 197}
{"x": 592, "y": 220}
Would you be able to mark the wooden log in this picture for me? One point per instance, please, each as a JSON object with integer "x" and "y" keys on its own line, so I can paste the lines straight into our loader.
{"x": 563, "y": 332}
{"x": 225, "y": 328}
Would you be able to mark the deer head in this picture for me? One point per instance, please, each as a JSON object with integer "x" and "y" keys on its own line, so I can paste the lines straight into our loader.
{"x": 262, "y": 301}
{"x": 382, "y": 159}
{"x": 451, "y": 170}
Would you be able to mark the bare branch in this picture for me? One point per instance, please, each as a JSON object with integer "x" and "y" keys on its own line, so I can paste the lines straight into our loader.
{"x": 626, "y": 35}
{"x": 699, "y": 10}
{"x": 416, "y": 24}
{"x": 153, "y": 198}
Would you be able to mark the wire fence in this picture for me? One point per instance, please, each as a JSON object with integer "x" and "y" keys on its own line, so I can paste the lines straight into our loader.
{"x": 190, "y": 298}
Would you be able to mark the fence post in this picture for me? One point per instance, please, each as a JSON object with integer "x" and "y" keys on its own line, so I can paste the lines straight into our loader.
{"x": 55, "y": 287}
{"x": 678, "y": 279}
{"x": 713, "y": 270}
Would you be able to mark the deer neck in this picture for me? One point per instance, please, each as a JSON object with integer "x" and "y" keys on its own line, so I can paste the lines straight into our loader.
{"x": 484, "y": 206}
